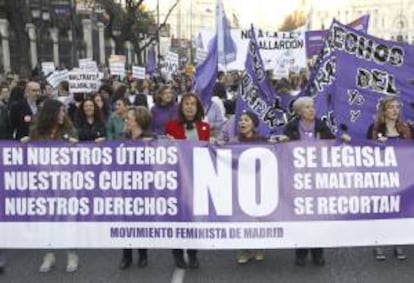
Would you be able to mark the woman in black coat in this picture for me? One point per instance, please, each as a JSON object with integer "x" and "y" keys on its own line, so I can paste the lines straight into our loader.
{"x": 306, "y": 126}
{"x": 89, "y": 122}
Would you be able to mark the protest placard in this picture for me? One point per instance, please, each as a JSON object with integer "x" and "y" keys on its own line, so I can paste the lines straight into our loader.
{"x": 138, "y": 72}
{"x": 48, "y": 67}
{"x": 171, "y": 63}
{"x": 83, "y": 81}
{"x": 57, "y": 77}
{"x": 88, "y": 64}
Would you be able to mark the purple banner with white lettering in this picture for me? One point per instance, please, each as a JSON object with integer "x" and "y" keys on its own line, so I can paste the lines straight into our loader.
{"x": 154, "y": 194}
{"x": 359, "y": 72}
{"x": 257, "y": 95}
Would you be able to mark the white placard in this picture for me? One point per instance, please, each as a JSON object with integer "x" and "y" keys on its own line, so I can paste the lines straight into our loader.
{"x": 117, "y": 69}
{"x": 48, "y": 67}
{"x": 201, "y": 55}
{"x": 57, "y": 77}
{"x": 117, "y": 65}
{"x": 83, "y": 81}
{"x": 279, "y": 50}
{"x": 171, "y": 63}
{"x": 138, "y": 72}
{"x": 88, "y": 64}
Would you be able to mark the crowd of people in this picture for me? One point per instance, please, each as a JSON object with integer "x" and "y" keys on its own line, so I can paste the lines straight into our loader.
{"x": 154, "y": 108}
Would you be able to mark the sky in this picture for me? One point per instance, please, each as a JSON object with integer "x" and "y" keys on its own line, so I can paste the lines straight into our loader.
{"x": 258, "y": 10}
{"x": 265, "y": 13}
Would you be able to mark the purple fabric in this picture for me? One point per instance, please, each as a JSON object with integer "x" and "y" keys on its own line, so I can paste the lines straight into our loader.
{"x": 257, "y": 94}
{"x": 151, "y": 63}
{"x": 161, "y": 115}
{"x": 307, "y": 132}
{"x": 289, "y": 163}
{"x": 349, "y": 100}
{"x": 315, "y": 38}
{"x": 206, "y": 74}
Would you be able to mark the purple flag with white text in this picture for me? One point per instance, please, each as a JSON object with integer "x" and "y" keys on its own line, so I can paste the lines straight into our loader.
{"x": 257, "y": 94}
{"x": 356, "y": 72}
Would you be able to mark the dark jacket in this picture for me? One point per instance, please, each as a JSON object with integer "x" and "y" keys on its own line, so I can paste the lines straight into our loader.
{"x": 89, "y": 132}
{"x": 322, "y": 131}
{"x": 6, "y": 132}
{"x": 140, "y": 100}
{"x": 21, "y": 116}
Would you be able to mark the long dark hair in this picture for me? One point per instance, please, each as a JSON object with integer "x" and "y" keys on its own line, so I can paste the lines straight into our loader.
{"x": 47, "y": 118}
{"x": 200, "y": 110}
{"x": 97, "y": 113}
{"x": 105, "y": 107}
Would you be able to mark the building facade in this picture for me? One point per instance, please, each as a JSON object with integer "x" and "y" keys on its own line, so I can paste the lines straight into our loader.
{"x": 389, "y": 19}
{"x": 59, "y": 31}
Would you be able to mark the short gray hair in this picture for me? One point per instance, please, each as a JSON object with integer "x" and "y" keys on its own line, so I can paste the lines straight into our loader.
{"x": 300, "y": 102}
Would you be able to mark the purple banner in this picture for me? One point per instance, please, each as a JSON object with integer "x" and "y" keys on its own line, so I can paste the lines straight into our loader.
{"x": 159, "y": 181}
{"x": 255, "y": 195}
{"x": 359, "y": 71}
{"x": 257, "y": 94}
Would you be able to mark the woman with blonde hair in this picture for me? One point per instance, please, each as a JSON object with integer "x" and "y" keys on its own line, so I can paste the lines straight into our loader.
{"x": 389, "y": 125}
{"x": 388, "y": 121}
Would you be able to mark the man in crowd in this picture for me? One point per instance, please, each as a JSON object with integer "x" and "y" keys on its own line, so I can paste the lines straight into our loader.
{"x": 22, "y": 113}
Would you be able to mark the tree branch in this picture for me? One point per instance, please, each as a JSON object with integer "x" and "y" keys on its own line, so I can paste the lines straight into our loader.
{"x": 163, "y": 24}
{"x": 168, "y": 14}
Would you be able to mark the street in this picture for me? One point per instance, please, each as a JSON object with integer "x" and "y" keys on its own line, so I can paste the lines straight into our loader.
{"x": 346, "y": 265}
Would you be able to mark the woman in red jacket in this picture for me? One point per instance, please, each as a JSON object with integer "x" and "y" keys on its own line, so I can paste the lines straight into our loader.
{"x": 188, "y": 126}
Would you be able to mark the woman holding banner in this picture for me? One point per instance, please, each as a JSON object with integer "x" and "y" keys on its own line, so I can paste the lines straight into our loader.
{"x": 89, "y": 121}
{"x": 188, "y": 126}
{"x": 248, "y": 125}
{"x": 306, "y": 126}
{"x": 388, "y": 125}
{"x": 53, "y": 123}
{"x": 138, "y": 125}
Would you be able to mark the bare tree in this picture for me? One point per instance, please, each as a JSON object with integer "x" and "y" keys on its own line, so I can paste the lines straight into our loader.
{"x": 15, "y": 10}
{"x": 136, "y": 41}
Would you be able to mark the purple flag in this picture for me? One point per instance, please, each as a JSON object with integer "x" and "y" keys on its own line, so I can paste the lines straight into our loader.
{"x": 257, "y": 94}
{"x": 315, "y": 38}
{"x": 151, "y": 63}
{"x": 368, "y": 69}
{"x": 206, "y": 75}
{"x": 226, "y": 46}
